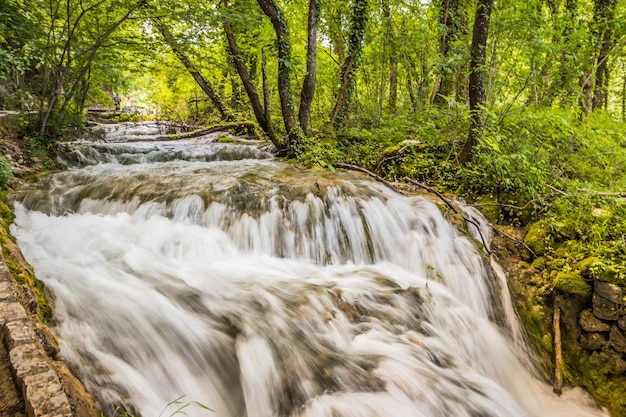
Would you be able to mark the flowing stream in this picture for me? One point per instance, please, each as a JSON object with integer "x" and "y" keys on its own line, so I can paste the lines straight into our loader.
{"x": 209, "y": 270}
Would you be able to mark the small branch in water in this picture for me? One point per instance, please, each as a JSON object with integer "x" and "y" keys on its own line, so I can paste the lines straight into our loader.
{"x": 451, "y": 206}
{"x": 369, "y": 173}
{"x": 425, "y": 187}
{"x": 514, "y": 239}
{"x": 432, "y": 190}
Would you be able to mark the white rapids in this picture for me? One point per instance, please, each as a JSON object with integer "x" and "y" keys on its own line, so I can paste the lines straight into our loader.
{"x": 260, "y": 290}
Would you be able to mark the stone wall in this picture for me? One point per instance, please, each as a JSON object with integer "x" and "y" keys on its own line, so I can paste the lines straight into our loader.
{"x": 604, "y": 326}
{"x": 47, "y": 388}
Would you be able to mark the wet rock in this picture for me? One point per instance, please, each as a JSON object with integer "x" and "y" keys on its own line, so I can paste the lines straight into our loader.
{"x": 605, "y": 309}
{"x": 591, "y": 323}
{"x": 593, "y": 341}
{"x": 622, "y": 322}
{"x": 47, "y": 339}
{"x": 609, "y": 291}
{"x": 617, "y": 339}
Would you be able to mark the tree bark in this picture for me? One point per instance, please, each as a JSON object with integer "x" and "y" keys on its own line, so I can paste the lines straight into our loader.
{"x": 393, "y": 83}
{"x": 308, "y": 85}
{"x": 603, "y": 15}
{"x": 248, "y": 85}
{"x": 477, "y": 76}
{"x": 359, "y": 17}
{"x": 202, "y": 82}
{"x": 450, "y": 22}
{"x": 267, "y": 101}
{"x": 285, "y": 66}
{"x": 558, "y": 351}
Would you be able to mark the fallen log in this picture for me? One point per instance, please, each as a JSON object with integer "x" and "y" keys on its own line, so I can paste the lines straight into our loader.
{"x": 243, "y": 126}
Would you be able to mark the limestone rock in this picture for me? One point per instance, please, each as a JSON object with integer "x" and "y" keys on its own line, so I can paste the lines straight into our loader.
{"x": 18, "y": 334}
{"x": 609, "y": 291}
{"x": 605, "y": 309}
{"x": 591, "y": 323}
{"x": 7, "y": 291}
{"x": 617, "y": 339}
{"x": 593, "y": 341}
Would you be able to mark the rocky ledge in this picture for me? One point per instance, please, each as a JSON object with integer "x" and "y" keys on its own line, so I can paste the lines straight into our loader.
{"x": 46, "y": 386}
{"x": 603, "y": 327}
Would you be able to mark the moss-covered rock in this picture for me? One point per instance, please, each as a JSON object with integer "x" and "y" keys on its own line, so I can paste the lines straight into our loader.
{"x": 539, "y": 238}
{"x": 572, "y": 282}
{"x": 489, "y": 208}
{"x": 587, "y": 266}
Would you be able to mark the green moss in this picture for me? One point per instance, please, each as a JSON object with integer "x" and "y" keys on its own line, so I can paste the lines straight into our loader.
{"x": 586, "y": 266}
{"x": 392, "y": 149}
{"x": 24, "y": 277}
{"x": 572, "y": 282}
{"x": 539, "y": 239}
{"x": 594, "y": 373}
{"x": 540, "y": 263}
{"x": 225, "y": 139}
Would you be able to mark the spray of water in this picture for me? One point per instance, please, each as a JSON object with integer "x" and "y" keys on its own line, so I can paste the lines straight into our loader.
{"x": 262, "y": 290}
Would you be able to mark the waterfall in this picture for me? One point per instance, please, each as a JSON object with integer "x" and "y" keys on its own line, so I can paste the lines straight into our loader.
{"x": 213, "y": 271}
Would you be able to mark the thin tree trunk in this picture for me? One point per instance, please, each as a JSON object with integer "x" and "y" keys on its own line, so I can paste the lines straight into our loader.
{"x": 477, "y": 76}
{"x": 409, "y": 85}
{"x": 624, "y": 92}
{"x": 393, "y": 83}
{"x": 359, "y": 17}
{"x": 562, "y": 83}
{"x": 450, "y": 22}
{"x": 182, "y": 56}
{"x": 308, "y": 85}
{"x": 285, "y": 66}
{"x": 603, "y": 14}
{"x": 248, "y": 85}
{"x": 266, "y": 88}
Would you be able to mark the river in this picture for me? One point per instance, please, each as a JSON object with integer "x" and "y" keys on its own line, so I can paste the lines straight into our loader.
{"x": 213, "y": 272}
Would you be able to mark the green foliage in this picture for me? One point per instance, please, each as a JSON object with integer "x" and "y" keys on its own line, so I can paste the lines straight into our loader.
{"x": 315, "y": 153}
{"x": 180, "y": 406}
{"x": 6, "y": 173}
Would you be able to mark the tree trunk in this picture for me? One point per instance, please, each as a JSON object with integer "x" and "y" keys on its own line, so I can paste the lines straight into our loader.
{"x": 267, "y": 102}
{"x": 171, "y": 41}
{"x": 603, "y": 15}
{"x": 308, "y": 85}
{"x": 359, "y": 17}
{"x": 248, "y": 85}
{"x": 393, "y": 83}
{"x": 624, "y": 92}
{"x": 477, "y": 76}
{"x": 284, "y": 69}
{"x": 450, "y": 22}
{"x": 562, "y": 83}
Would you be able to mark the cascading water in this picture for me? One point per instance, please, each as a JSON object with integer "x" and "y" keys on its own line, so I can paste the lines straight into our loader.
{"x": 212, "y": 271}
